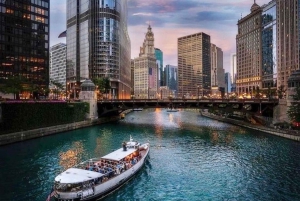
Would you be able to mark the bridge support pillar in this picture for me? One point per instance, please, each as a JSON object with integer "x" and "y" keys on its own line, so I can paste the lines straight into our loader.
{"x": 280, "y": 112}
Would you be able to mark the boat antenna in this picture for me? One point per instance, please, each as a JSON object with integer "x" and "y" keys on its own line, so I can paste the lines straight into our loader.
{"x": 131, "y": 139}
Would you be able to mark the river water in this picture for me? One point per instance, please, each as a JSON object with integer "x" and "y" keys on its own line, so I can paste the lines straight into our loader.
{"x": 191, "y": 158}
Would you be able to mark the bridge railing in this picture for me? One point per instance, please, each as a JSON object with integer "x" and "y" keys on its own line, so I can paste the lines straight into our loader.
{"x": 194, "y": 100}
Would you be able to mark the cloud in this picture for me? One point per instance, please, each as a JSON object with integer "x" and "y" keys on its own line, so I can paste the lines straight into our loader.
{"x": 143, "y": 14}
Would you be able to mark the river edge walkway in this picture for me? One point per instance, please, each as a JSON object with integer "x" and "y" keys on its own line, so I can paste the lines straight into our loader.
{"x": 281, "y": 133}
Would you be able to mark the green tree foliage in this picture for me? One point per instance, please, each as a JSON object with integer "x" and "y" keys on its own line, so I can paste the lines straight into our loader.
{"x": 58, "y": 88}
{"x": 294, "y": 110}
{"x": 13, "y": 85}
{"x": 280, "y": 91}
{"x": 103, "y": 84}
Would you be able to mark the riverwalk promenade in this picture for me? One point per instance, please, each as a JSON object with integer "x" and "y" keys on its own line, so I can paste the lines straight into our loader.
{"x": 289, "y": 134}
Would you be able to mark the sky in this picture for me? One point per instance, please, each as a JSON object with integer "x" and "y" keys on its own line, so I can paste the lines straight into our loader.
{"x": 171, "y": 19}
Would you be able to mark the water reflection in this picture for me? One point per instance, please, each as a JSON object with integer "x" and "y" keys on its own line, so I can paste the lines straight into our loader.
{"x": 71, "y": 157}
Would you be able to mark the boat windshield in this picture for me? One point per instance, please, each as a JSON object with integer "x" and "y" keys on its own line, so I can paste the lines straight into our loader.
{"x": 73, "y": 187}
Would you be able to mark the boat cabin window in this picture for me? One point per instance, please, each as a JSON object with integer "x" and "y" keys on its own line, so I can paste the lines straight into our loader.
{"x": 67, "y": 187}
{"x": 76, "y": 187}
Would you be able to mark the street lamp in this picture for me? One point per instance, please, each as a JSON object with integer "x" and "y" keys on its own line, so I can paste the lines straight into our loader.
{"x": 74, "y": 88}
{"x": 198, "y": 92}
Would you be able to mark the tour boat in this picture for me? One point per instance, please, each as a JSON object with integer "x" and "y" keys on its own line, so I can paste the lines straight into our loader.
{"x": 97, "y": 177}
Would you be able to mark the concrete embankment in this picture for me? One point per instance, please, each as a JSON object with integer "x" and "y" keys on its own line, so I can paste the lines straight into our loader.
{"x": 30, "y": 134}
{"x": 281, "y": 133}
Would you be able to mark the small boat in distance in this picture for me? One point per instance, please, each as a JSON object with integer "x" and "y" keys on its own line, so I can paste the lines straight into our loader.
{"x": 97, "y": 177}
{"x": 172, "y": 110}
{"x": 137, "y": 109}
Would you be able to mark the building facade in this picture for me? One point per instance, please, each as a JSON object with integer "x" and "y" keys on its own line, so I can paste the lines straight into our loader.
{"x": 287, "y": 40}
{"x": 171, "y": 78}
{"x": 194, "y": 68}
{"x": 217, "y": 71}
{"x": 160, "y": 64}
{"x": 248, "y": 52}
{"x": 24, "y": 41}
{"x": 58, "y": 65}
{"x": 98, "y": 44}
{"x": 145, "y": 69}
{"x": 233, "y": 71}
{"x": 228, "y": 83}
{"x": 132, "y": 77}
{"x": 269, "y": 46}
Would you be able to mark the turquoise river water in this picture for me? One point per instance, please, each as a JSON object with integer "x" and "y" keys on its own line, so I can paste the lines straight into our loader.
{"x": 191, "y": 158}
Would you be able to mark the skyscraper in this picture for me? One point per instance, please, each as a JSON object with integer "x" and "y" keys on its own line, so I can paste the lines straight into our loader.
{"x": 159, "y": 61}
{"x": 217, "y": 70}
{"x": 249, "y": 54}
{"x": 194, "y": 68}
{"x": 145, "y": 69}
{"x": 171, "y": 77}
{"x": 269, "y": 46}
{"x": 98, "y": 43}
{"x": 227, "y": 83}
{"x": 288, "y": 39}
{"x": 24, "y": 41}
{"x": 58, "y": 64}
{"x": 233, "y": 71}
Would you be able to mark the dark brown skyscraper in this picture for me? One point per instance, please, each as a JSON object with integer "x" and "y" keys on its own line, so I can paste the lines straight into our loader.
{"x": 24, "y": 40}
{"x": 194, "y": 68}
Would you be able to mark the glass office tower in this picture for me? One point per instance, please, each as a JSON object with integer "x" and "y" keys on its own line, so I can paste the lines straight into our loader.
{"x": 269, "y": 45}
{"x": 171, "y": 77}
{"x": 98, "y": 44}
{"x": 24, "y": 41}
{"x": 159, "y": 61}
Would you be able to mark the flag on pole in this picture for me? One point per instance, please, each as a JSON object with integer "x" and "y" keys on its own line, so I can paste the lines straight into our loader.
{"x": 63, "y": 34}
{"x": 51, "y": 194}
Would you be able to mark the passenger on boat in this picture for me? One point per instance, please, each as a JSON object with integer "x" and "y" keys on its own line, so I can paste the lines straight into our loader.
{"x": 128, "y": 165}
{"x": 117, "y": 170}
{"x": 134, "y": 161}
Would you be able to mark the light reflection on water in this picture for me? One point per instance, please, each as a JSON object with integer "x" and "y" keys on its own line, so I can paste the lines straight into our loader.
{"x": 191, "y": 158}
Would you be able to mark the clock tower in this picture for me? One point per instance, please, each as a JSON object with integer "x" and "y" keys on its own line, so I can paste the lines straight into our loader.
{"x": 146, "y": 70}
{"x": 148, "y": 45}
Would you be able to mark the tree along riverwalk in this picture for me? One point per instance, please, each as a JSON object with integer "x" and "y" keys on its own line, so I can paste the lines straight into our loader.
{"x": 289, "y": 134}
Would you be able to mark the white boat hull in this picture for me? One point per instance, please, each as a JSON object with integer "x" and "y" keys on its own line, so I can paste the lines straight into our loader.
{"x": 100, "y": 190}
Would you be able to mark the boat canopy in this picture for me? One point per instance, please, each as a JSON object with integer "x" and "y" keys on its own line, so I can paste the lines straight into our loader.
{"x": 75, "y": 175}
{"x": 118, "y": 154}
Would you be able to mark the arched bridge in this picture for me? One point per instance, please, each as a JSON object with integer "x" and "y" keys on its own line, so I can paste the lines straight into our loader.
{"x": 260, "y": 106}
